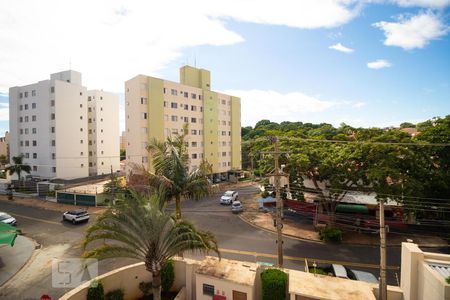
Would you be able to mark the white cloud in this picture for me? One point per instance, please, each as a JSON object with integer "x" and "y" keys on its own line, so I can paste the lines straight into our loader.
{"x": 341, "y": 48}
{"x": 359, "y": 104}
{"x": 110, "y": 41}
{"x": 423, "y": 3}
{"x": 268, "y": 104}
{"x": 379, "y": 64}
{"x": 413, "y": 32}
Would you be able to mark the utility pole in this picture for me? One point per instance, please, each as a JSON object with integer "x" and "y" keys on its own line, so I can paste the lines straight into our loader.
{"x": 279, "y": 204}
{"x": 383, "y": 286}
{"x": 113, "y": 183}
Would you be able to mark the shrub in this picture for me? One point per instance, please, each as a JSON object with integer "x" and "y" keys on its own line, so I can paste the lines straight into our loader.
{"x": 115, "y": 295}
{"x": 51, "y": 194}
{"x": 331, "y": 234}
{"x": 145, "y": 287}
{"x": 95, "y": 291}
{"x": 167, "y": 276}
{"x": 274, "y": 284}
{"x": 448, "y": 279}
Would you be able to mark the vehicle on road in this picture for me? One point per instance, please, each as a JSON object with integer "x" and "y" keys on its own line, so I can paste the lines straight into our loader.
{"x": 7, "y": 219}
{"x": 236, "y": 207}
{"x": 76, "y": 216}
{"x": 229, "y": 197}
{"x": 344, "y": 272}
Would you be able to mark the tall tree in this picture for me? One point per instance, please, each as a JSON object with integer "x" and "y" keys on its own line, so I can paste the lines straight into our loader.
{"x": 18, "y": 167}
{"x": 170, "y": 162}
{"x": 140, "y": 228}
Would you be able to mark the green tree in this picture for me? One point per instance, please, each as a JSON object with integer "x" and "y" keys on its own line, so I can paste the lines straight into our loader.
{"x": 140, "y": 228}
{"x": 170, "y": 164}
{"x": 3, "y": 160}
{"x": 18, "y": 167}
{"x": 407, "y": 125}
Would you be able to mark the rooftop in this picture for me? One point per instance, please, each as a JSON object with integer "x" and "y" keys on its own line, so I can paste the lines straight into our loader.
{"x": 327, "y": 287}
{"x": 231, "y": 270}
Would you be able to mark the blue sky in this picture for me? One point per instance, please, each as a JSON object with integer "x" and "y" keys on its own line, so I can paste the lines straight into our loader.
{"x": 389, "y": 61}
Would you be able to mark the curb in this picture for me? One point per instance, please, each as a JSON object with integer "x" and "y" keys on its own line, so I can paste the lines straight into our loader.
{"x": 342, "y": 243}
{"x": 37, "y": 246}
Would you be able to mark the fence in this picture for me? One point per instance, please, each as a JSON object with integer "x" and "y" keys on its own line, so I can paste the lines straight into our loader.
{"x": 76, "y": 199}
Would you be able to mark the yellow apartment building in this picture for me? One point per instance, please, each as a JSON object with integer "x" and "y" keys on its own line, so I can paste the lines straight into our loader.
{"x": 156, "y": 108}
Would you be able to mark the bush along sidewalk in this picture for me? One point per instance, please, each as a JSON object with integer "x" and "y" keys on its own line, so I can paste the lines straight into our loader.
{"x": 274, "y": 284}
{"x": 330, "y": 234}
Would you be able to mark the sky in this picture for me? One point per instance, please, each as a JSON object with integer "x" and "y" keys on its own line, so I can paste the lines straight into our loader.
{"x": 365, "y": 63}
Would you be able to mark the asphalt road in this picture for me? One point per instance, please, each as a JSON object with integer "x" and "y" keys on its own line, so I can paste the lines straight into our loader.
{"x": 237, "y": 239}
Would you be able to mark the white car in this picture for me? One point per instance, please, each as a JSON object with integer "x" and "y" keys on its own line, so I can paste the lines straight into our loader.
{"x": 236, "y": 207}
{"x": 229, "y": 197}
{"x": 7, "y": 219}
{"x": 75, "y": 216}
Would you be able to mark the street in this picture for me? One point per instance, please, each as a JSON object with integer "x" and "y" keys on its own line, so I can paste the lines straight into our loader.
{"x": 237, "y": 240}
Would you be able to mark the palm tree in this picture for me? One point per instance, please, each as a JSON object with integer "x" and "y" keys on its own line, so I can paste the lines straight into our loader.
{"x": 140, "y": 228}
{"x": 18, "y": 167}
{"x": 170, "y": 163}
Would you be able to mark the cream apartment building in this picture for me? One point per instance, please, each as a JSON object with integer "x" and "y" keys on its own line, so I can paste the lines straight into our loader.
{"x": 157, "y": 108}
{"x": 48, "y": 123}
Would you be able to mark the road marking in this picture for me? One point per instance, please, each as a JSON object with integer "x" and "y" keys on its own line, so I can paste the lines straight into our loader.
{"x": 302, "y": 259}
{"x": 39, "y": 220}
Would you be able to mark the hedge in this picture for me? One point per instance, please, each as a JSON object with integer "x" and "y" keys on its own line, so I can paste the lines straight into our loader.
{"x": 331, "y": 234}
{"x": 95, "y": 291}
{"x": 274, "y": 284}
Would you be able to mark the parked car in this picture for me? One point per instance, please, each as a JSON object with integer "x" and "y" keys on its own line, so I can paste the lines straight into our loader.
{"x": 236, "y": 207}
{"x": 7, "y": 219}
{"x": 228, "y": 197}
{"x": 76, "y": 216}
{"x": 343, "y": 272}
{"x": 362, "y": 276}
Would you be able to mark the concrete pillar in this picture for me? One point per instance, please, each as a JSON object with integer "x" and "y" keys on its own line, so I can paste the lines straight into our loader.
{"x": 412, "y": 256}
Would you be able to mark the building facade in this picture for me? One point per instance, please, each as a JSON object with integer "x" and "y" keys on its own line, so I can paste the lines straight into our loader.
{"x": 49, "y": 126}
{"x": 157, "y": 108}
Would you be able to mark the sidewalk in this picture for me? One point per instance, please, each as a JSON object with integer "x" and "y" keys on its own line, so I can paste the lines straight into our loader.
{"x": 291, "y": 229}
{"x": 12, "y": 259}
{"x": 44, "y": 204}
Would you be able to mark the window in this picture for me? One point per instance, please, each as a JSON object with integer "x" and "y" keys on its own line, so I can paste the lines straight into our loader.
{"x": 199, "y": 97}
{"x": 143, "y": 100}
{"x": 81, "y": 117}
{"x": 193, "y": 120}
{"x": 193, "y": 132}
{"x": 35, "y": 168}
{"x": 174, "y": 118}
{"x": 27, "y": 143}
{"x": 33, "y": 118}
{"x": 101, "y": 141}
{"x": 54, "y": 169}
{"x": 143, "y": 129}
{"x": 194, "y": 155}
{"x": 82, "y": 165}
{"x": 26, "y": 94}
{"x": 52, "y": 102}
{"x": 102, "y": 152}
{"x": 164, "y": 90}
{"x": 166, "y": 118}
{"x": 201, "y": 108}
{"x": 165, "y": 104}
{"x": 90, "y": 153}
{"x": 173, "y": 105}
{"x": 90, "y": 109}
{"x": 81, "y": 129}
{"x": 81, "y": 141}
{"x": 34, "y": 143}
{"x": 101, "y": 120}
{"x": 21, "y": 131}
{"x": 20, "y": 107}
{"x": 53, "y": 156}
{"x": 81, "y": 153}
{"x": 27, "y": 155}
{"x": 33, "y": 105}
{"x": 81, "y": 105}
{"x": 20, "y": 119}
{"x": 101, "y": 108}
{"x": 34, "y": 155}
{"x": 185, "y": 119}
{"x": 52, "y": 89}
{"x": 144, "y": 116}
{"x": 173, "y": 92}
{"x": 52, "y": 130}
{"x": 26, "y": 130}
{"x": 208, "y": 289}
{"x": 224, "y": 154}
{"x": 52, "y": 116}
{"x": 90, "y": 164}
{"x": 193, "y": 108}
{"x": 20, "y": 95}
{"x": 194, "y": 144}
{"x": 223, "y": 102}
{"x": 229, "y": 133}
{"x": 224, "y": 133}
{"x": 186, "y": 95}
{"x": 224, "y": 144}
{"x": 90, "y": 143}
{"x": 193, "y": 96}
{"x": 90, "y": 120}
{"x": 186, "y": 107}
{"x": 26, "y": 118}
{"x": 81, "y": 93}
{"x": 53, "y": 143}
{"x": 21, "y": 143}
